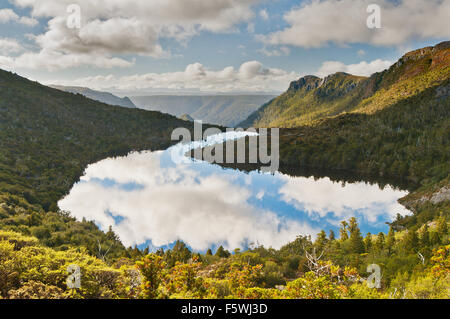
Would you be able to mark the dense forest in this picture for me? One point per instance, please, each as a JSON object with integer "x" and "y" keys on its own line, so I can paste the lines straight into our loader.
{"x": 48, "y": 137}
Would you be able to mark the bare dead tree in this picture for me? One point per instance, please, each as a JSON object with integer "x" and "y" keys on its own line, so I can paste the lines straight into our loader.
{"x": 101, "y": 255}
{"x": 314, "y": 262}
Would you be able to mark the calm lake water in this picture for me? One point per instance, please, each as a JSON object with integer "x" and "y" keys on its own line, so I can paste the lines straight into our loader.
{"x": 152, "y": 201}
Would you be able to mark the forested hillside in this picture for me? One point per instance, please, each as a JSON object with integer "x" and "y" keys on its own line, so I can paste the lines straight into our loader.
{"x": 311, "y": 98}
{"x": 47, "y": 138}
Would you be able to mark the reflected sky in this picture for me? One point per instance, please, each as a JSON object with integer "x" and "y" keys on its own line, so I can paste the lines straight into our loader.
{"x": 152, "y": 201}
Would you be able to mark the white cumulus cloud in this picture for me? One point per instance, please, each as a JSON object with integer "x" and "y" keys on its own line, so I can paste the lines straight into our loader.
{"x": 114, "y": 27}
{"x": 251, "y": 76}
{"x": 317, "y": 23}
{"x": 362, "y": 69}
{"x": 8, "y": 46}
{"x": 8, "y": 15}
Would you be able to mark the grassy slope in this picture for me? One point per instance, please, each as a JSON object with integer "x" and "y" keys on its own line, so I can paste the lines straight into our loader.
{"x": 311, "y": 98}
{"x": 308, "y": 99}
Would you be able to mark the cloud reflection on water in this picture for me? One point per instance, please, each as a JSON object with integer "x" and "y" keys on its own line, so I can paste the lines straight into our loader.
{"x": 149, "y": 199}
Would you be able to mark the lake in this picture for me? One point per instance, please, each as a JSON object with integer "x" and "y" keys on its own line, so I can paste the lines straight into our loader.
{"x": 151, "y": 200}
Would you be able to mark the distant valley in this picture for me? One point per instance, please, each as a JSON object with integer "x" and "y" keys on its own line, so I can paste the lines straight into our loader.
{"x": 226, "y": 110}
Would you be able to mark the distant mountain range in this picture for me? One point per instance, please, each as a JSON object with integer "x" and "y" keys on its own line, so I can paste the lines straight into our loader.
{"x": 311, "y": 98}
{"x": 226, "y": 110}
{"x": 103, "y": 97}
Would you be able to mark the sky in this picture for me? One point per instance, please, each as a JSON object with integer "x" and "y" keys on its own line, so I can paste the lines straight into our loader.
{"x": 138, "y": 47}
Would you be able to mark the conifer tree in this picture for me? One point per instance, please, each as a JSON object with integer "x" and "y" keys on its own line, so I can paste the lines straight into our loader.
{"x": 222, "y": 253}
{"x": 442, "y": 228}
{"x": 368, "y": 242}
{"x": 332, "y": 236}
{"x": 411, "y": 241}
{"x": 356, "y": 240}
{"x": 390, "y": 240}
{"x": 379, "y": 242}
{"x": 343, "y": 231}
{"x": 321, "y": 241}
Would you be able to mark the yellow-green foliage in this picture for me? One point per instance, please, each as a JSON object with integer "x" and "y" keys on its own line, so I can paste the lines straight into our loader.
{"x": 27, "y": 269}
{"x": 312, "y": 99}
{"x": 56, "y": 230}
{"x": 18, "y": 240}
{"x": 313, "y": 287}
{"x": 433, "y": 283}
{"x": 30, "y": 271}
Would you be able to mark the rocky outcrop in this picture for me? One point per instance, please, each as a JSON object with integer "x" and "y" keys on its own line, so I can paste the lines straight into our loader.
{"x": 441, "y": 196}
{"x": 309, "y": 83}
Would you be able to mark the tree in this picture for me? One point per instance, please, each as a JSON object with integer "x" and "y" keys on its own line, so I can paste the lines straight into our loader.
{"x": 442, "y": 228}
{"x": 222, "y": 253}
{"x": 356, "y": 240}
{"x": 180, "y": 252}
{"x": 343, "y": 231}
{"x": 390, "y": 240}
{"x": 242, "y": 275}
{"x": 368, "y": 242}
{"x": 332, "y": 236}
{"x": 111, "y": 235}
{"x": 182, "y": 281}
{"x": 321, "y": 241}
{"x": 313, "y": 287}
{"x": 379, "y": 242}
{"x": 410, "y": 241}
{"x": 424, "y": 237}
{"x": 151, "y": 267}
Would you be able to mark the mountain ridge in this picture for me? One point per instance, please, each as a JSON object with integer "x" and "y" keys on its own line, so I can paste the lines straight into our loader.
{"x": 311, "y": 98}
{"x": 104, "y": 97}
